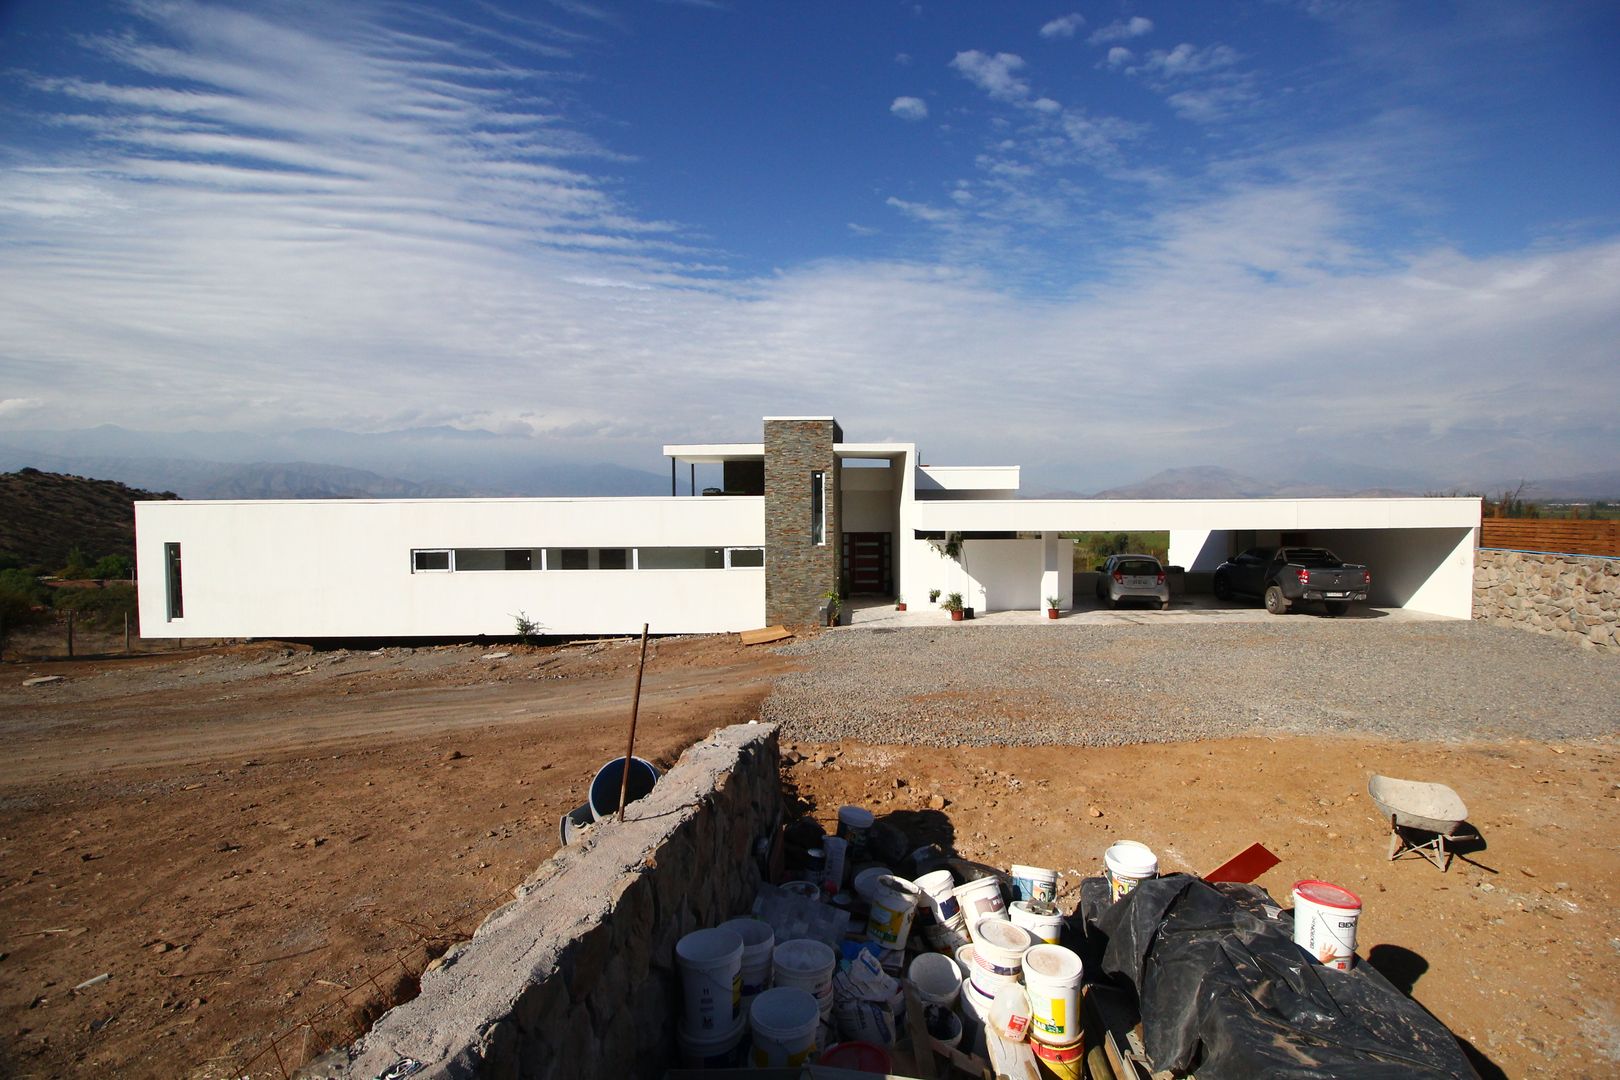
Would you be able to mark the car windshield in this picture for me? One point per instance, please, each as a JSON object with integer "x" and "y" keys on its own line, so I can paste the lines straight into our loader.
{"x": 1134, "y": 567}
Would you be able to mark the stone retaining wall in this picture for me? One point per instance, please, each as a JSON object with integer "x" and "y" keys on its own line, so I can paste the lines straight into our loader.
{"x": 1574, "y": 596}
{"x": 575, "y": 977}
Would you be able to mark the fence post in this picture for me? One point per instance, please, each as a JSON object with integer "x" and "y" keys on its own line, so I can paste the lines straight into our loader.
{"x": 70, "y": 634}
{"x": 126, "y": 633}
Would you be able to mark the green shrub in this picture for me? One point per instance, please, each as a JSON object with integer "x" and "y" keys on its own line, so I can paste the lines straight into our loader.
{"x": 112, "y": 568}
{"x": 104, "y": 608}
{"x": 21, "y": 583}
{"x": 78, "y": 566}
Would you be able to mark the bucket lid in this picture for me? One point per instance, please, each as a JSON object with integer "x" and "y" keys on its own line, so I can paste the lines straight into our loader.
{"x": 1132, "y": 857}
{"x": 712, "y": 946}
{"x": 1327, "y": 894}
{"x": 784, "y": 1010}
{"x": 858, "y": 817}
{"x": 1052, "y": 963}
{"x": 805, "y": 956}
{"x": 1038, "y": 873}
{"x": 755, "y": 933}
{"x": 1001, "y": 934}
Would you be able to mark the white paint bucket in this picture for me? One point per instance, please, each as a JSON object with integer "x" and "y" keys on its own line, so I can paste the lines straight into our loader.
{"x": 936, "y": 978}
{"x": 866, "y": 881}
{"x": 1052, "y": 976}
{"x": 783, "y": 1022}
{"x": 998, "y": 952}
{"x": 948, "y": 938}
{"x": 808, "y": 965}
{"x": 1325, "y": 917}
{"x": 979, "y": 899}
{"x": 1127, "y": 864}
{"x": 894, "y": 902}
{"x": 1040, "y": 919}
{"x": 711, "y": 979}
{"x": 1034, "y": 883}
{"x": 713, "y": 1050}
{"x": 975, "y": 1013}
{"x": 854, "y": 824}
{"x": 940, "y": 888}
{"x": 758, "y": 940}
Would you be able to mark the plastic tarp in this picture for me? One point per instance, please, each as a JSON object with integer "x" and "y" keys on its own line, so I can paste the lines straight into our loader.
{"x": 1223, "y": 989}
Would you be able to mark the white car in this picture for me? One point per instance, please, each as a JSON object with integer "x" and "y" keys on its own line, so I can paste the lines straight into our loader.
{"x": 1132, "y": 577}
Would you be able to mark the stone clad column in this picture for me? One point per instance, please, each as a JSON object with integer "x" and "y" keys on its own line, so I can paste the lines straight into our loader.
{"x": 798, "y": 570}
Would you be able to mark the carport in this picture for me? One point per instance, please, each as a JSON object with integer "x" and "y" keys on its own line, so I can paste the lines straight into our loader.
{"x": 1420, "y": 550}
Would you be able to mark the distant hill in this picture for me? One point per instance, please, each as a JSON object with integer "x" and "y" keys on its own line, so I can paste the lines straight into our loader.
{"x": 45, "y": 515}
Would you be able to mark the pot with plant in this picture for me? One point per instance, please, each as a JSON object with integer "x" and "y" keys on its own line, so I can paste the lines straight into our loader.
{"x": 833, "y": 605}
{"x": 1051, "y": 607}
{"x": 899, "y": 603}
{"x": 933, "y": 596}
{"x": 953, "y": 604}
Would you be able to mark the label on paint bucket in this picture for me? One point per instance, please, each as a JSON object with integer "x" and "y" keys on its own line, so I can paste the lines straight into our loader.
{"x": 1325, "y": 917}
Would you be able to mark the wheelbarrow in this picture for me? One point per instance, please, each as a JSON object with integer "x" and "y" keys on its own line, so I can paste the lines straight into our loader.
{"x": 1424, "y": 818}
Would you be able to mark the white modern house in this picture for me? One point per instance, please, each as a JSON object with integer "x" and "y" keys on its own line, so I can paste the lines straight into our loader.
{"x": 801, "y": 514}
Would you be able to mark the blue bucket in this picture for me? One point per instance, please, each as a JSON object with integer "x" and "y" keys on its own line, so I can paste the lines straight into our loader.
{"x": 604, "y": 798}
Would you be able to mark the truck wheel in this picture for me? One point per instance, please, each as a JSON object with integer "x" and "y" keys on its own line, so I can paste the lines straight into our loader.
{"x": 1223, "y": 587}
{"x": 1164, "y": 605}
{"x": 1276, "y": 602}
{"x": 1336, "y": 607}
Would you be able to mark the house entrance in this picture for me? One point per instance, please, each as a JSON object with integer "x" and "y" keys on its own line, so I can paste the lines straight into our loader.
{"x": 869, "y": 563}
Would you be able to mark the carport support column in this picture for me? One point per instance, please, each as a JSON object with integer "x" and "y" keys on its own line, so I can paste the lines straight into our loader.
{"x": 1057, "y": 570}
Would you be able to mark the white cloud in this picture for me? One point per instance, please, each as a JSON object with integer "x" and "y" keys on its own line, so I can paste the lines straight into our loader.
{"x": 1063, "y": 26}
{"x": 933, "y": 215}
{"x": 1187, "y": 59}
{"x": 1119, "y": 56}
{"x": 1122, "y": 30}
{"x": 993, "y": 74}
{"x": 19, "y": 406}
{"x": 909, "y": 108}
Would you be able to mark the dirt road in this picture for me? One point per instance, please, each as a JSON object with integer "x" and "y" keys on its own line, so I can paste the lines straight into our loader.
{"x": 244, "y": 838}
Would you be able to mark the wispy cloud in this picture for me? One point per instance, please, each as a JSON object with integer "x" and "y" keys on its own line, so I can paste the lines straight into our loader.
{"x": 1064, "y": 26}
{"x": 909, "y": 108}
{"x": 995, "y": 75}
{"x": 1122, "y": 30}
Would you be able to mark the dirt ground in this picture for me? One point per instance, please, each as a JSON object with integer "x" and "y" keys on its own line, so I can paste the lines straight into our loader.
{"x": 1514, "y": 951}
{"x": 261, "y": 841}
{"x": 244, "y": 839}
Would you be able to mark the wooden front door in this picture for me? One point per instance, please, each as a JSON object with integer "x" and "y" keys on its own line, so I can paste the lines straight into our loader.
{"x": 869, "y": 563}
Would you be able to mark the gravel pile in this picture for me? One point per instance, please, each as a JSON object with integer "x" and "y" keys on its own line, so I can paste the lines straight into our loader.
{"x": 1109, "y": 685}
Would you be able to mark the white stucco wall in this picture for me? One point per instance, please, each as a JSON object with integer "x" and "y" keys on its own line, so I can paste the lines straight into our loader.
{"x": 342, "y": 568}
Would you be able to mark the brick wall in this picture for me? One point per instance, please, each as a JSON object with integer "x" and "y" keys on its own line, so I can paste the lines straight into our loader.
{"x": 1574, "y": 596}
{"x": 797, "y": 572}
{"x": 576, "y": 977}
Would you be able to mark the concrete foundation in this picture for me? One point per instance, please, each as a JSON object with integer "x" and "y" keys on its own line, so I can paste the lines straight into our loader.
{"x": 575, "y": 977}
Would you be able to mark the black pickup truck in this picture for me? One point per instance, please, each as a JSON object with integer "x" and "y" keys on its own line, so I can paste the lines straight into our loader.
{"x": 1287, "y": 576}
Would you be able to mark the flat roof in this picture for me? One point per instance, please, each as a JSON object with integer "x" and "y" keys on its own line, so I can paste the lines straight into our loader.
{"x": 714, "y": 453}
{"x": 1117, "y": 515}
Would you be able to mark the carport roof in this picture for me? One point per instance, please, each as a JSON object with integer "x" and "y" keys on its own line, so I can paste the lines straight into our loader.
{"x": 1125, "y": 515}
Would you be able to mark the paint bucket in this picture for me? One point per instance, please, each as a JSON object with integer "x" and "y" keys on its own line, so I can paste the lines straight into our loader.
{"x": 894, "y": 902}
{"x": 940, "y": 888}
{"x": 808, "y": 965}
{"x": 1061, "y": 1062}
{"x": 975, "y": 1014}
{"x": 804, "y": 890}
{"x": 944, "y": 1028}
{"x": 713, "y": 1049}
{"x": 783, "y": 1023}
{"x": 1052, "y": 976}
{"x": 711, "y": 979}
{"x": 1126, "y": 864}
{"x": 758, "y": 940}
{"x": 866, "y": 881}
{"x": 936, "y": 978}
{"x": 604, "y": 797}
{"x": 1034, "y": 883}
{"x": 859, "y": 1056}
{"x": 854, "y": 826}
{"x": 1040, "y": 919}
{"x": 1325, "y": 918}
{"x": 998, "y": 952}
{"x": 979, "y": 899}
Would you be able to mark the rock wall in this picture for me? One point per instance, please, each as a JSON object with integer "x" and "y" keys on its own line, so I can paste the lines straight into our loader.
{"x": 1575, "y": 596}
{"x": 575, "y": 977}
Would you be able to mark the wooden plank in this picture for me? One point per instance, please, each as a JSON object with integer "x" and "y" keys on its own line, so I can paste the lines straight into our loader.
{"x": 765, "y": 635}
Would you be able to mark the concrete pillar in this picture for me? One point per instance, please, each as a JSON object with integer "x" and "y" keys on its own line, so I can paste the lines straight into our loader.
{"x": 1057, "y": 570}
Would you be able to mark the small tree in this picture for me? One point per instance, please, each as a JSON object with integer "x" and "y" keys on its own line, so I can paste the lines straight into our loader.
{"x": 78, "y": 567}
{"x": 527, "y": 629}
{"x": 111, "y": 568}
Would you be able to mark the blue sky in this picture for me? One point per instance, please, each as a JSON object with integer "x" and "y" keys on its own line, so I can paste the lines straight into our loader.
{"x": 1096, "y": 239}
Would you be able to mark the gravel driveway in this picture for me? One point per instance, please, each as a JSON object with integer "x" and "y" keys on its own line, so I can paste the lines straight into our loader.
{"x": 1101, "y": 685}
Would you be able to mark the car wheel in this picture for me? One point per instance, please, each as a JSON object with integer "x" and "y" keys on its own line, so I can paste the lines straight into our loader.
{"x": 1276, "y": 602}
{"x": 1336, "y": 607}
{"x": 1223, "y": 587}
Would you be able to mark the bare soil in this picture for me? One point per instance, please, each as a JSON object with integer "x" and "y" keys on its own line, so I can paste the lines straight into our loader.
{"x": 262, "y": 846}
{"x": 261, "y": 841}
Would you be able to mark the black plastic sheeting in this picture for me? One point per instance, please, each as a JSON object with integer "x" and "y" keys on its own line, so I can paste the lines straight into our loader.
{"x": 1223, "y": 990}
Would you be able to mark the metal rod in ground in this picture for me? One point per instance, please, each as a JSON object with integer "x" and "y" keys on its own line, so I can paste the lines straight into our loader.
{"x": 126, "y": 633}
{"x": 70, "y": 635}
{"x": 635, "y": 707}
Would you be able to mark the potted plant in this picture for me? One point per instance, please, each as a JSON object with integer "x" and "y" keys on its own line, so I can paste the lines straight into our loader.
{"x": 1051, "y": 607}
{"x": 953, "y": 604}
{"x": 833, "y": 606}
{"x": 899, "y": 603}
{"x": 933, "y": 596}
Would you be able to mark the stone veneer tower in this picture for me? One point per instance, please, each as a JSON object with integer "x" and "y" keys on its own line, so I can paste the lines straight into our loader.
{"x": 800, "y": 565}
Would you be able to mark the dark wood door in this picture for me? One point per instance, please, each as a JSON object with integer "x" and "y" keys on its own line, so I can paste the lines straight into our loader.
{"x": 869, "y": 563}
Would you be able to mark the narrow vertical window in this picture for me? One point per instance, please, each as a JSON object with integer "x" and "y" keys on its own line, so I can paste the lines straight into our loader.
{"x": 171, "y": 562}
{"x": 818, "y": 507}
